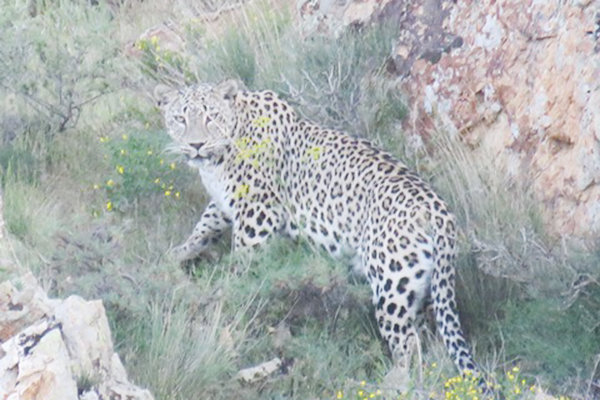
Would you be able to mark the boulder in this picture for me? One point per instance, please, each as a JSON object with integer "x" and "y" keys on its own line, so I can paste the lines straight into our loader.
{"x": 57, "y": 349}
{"x": 519, "y": 81}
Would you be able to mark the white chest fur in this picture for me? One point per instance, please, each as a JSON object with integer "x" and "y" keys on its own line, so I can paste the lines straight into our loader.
{"x": 215, "y": 183}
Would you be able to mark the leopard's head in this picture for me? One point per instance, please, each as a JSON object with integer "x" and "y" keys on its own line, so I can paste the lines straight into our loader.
{"x": 199, "y": 118}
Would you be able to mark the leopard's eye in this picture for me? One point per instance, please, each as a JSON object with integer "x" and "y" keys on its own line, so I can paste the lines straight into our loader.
{"x": 179, "y": 119}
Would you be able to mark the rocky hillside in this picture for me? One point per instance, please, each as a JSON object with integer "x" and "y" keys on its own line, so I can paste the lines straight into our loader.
{"x": 519, "y": 81}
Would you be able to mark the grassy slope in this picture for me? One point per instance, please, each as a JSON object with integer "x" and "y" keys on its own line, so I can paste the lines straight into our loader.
{"x": 87, "y": 211}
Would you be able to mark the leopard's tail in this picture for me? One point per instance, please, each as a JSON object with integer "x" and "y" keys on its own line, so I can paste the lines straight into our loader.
{"x": 444, "y": 301}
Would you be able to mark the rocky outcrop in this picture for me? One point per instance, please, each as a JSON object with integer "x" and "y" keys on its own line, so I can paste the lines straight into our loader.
{"x": 524, "y": 87}
{"x": 517, "y": 80}
{"x": 53, "y": 349}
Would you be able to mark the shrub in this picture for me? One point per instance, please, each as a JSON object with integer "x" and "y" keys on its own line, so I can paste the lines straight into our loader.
{"x": 140, "y": 169}
{"x": 54, "y": 67}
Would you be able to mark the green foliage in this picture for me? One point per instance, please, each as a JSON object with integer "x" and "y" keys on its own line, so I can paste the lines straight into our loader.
{"x": 156, "y": 62}
{"x": 140, "y": 169}
{"x": 16, "y": 161}
{"x": 178, "y": 356}
{"x": 239, "y": 55}
{"x": 17, "y": 218}
{"x": 299, "y": 306}
{"x": 536, "y": 332}
{"x": 55, "y": 67}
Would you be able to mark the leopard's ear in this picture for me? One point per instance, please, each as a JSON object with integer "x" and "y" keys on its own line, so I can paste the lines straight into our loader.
{"x": 163, "y": 95}
{"x": 229, "y": 88}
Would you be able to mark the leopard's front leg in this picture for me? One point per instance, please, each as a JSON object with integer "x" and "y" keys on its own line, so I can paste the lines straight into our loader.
{"x": 257, "y": 222}
{"x": 211, "y": 226}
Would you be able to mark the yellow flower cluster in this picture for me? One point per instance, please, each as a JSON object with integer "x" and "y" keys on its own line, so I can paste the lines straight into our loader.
{"x": 314, "y": 152}
{"x": 138, "y": 169}
{"x": 261, "y": 122}
{"x": 252, "y": 152}
{"x": 157, "y": 58}
{"x": 463, "y": 387}
{"x": 241, "y": 191}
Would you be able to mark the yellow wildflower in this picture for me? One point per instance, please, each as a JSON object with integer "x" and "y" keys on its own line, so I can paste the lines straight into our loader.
{"x": 123, "y": 152}
{"x": 177, "y": 195}
{"x": 124, "y": 136}
{"x": 167, "y": 193}
{"x": 120, "y": 169}
{"x": 315, "y": 152}
{"x": 110, "y": 183}
{"x": 517, "y": 390}
{"x": 161, "y": 161}
{"x": 96, "y": 186}
{"x": 339, "y": 394}
{"x": 157, "y": 180}
{"x": 241, "y": 191}
{"x": 149, "y": 152}
{"x": 172, "y": 165}
{"x": 109, "y": 206}
{"x": 261, "y": 122}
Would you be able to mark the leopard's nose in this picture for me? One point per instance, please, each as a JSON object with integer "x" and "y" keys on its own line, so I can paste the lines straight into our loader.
{"x": 197, "y": 146}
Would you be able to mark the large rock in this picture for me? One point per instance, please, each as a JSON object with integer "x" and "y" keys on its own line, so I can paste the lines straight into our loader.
{"x": 57, "y": 349}
{"x": 517, "y": 80}
{"x": 524, "y": 87}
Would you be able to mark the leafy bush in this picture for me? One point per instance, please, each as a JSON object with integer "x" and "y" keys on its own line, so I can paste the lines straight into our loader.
{"x": 54, "y": 67}
{"x": 141, "y": 169}
{"x": 535, "y": 333}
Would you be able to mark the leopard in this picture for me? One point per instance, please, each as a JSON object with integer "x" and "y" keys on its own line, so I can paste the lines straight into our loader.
{"x": 268, "y": 171}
